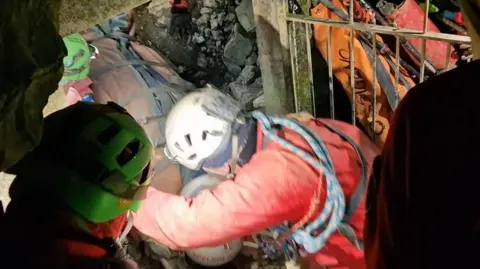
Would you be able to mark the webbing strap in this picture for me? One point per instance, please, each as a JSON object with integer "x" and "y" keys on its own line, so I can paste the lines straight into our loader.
{"x": 110, "y": 67}
{"x": 357, "y": 195}
{"x": 383, "y": 77}
{"x": 165, "y": 88}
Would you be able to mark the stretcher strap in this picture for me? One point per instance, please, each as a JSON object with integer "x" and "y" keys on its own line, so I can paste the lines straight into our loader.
{"x": 360, "y": 189}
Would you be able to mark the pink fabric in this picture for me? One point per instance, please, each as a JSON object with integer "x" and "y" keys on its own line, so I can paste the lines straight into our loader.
{"x": 276, "y": 185}
{"x": 77, "y": 89}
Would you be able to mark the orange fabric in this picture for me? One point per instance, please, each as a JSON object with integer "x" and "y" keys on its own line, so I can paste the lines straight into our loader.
{"x": 274, "y": 186}
{"x": 110, "y": 229}
{"x": 363, "y": 73}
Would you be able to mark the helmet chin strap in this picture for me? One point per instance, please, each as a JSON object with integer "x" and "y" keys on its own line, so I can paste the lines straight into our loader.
{"x": 127, "y": 229}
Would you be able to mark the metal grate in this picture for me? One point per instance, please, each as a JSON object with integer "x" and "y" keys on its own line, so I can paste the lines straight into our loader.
{"x": 297, "y": 23}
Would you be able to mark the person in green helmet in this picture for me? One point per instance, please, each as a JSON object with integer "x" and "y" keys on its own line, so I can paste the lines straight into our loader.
{"x": 73, "y": 195}
{"x": 77, "y": 62}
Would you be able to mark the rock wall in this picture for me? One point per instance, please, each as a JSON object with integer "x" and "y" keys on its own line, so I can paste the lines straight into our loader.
{"x": 223, "y": 41}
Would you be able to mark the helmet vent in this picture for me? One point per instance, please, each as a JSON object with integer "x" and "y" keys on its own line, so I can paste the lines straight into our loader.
{"x": 108, "y": 134}
{"x": 213, "y": 133}
{"x": 188, "y": 139}
{"x": 145, "y": 175}
{"x": 178, "y": 146}
{"x": 192, "y": 157}
{"x": 128, "y": 153}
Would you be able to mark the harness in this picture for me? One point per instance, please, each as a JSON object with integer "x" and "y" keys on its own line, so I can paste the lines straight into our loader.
{"x": 336, "y": 213}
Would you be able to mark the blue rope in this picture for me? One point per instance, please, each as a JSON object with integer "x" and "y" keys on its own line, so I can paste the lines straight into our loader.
{"x": 334, "y": 208}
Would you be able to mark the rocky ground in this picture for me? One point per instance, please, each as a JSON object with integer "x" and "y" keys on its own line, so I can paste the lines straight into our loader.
{"x": 150, "y": 256}
{"x": 221, "y": 49}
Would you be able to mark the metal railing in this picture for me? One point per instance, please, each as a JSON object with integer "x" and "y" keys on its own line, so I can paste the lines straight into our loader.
{"x": 304, "y": 24}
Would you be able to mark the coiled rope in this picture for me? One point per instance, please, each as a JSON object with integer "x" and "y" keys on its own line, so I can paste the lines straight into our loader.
{"x": 334, "y": 209}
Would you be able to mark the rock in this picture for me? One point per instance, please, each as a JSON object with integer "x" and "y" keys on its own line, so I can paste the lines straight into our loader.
{"x": 245, "y": 94}
{"x": 200, "y": 74}
{"x": 259, "y": 102}
{"x": 252, "y": 59}
{"x": 221, "y": 17}
{"x": 217, "y": 35}
{"x": 218, "y": 44}
{"x": 238, "y": 47}
{"x": 232, "y": 67}
{"x": 228, "y": 28}
{"x": 229, "y": 77}
{"x": 134, "y": 252}
{"x": 197, "y": 38}
{"x": 237, "y": 2}
{"x": 203, "y": 19}
{"x": 258, "y": 82}
{"x": 210, "y": 3}
{"x": 210, "y": 44}
{"x": 202, "y": 60}
{"x": 245, "y": 15}
{"x": 230, "y": 17}
{"x": 214, "y": 24}
{"x": 203, "y": 49}
{"x": 206, "y": 10}
{"x": 208, "y": 32}
{"x": 231, "y": 8}
{"x": 161, "y": 10}
{"x": 247, "y": 75}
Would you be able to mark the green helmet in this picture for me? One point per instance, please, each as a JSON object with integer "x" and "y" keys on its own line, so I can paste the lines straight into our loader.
{"x": 77, "y": 62}
{"x": 94, "y": 157}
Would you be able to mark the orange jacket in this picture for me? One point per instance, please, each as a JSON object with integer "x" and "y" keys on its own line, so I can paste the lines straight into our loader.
{"x": 274, "y": 186}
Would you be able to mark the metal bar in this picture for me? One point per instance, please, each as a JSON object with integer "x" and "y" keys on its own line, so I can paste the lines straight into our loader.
{"x": 380, "y": 29}
{"x": 397, "y": 68}
{"x": 330, "y": 73}
{"x": 308, "y": 37}
{"x": 352, "y": 75}
{"x": 293, "y": 58}
{"x": 425, "y": 18}
{"x": 374, "y": 89}
{"x": 75, "y": 16}
{"x": 422, "y": 63}
{"x": 350, "y": 12}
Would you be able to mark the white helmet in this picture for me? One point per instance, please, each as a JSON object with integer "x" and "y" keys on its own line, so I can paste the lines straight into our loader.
{"x": 199, "y": 126}
{"x": 210, "y": 256}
